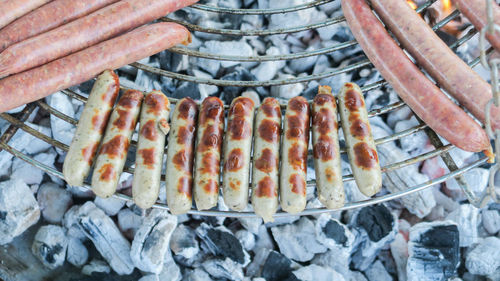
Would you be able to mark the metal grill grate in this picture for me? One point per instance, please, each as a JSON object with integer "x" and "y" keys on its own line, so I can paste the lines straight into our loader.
{"x": 17, "y": 121}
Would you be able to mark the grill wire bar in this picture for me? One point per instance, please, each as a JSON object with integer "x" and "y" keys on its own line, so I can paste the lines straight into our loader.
{"x": 17, "y": 121}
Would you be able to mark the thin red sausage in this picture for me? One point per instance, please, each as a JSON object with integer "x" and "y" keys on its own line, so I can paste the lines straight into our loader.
{"x": 79, "y": 67}
{"x": 84, "y": 32}
{"x": 13, "y": 9}
{"x": 423, "y": 97}
{"x": 48, "y": 17}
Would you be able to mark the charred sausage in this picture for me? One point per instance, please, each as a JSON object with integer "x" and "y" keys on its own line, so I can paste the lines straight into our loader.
{"x": 84, "y": 32}
{"x": 13, "y": 9}
{"x": 326, "y": 151}
{"x": 155, "y": 112}
{"x": 265, "y": 177}
{"x": 180, "y": 157}
{"x": 237, "y": 149}
{"x": 47, "y": 17}
{"x": 294, "y": 156}
{"x": 359, "y": 140}
{"x": 113, "y": 152}
{"x": 208, "y": 152}
{"x": 452, "y": 73}
{"x": 423, "y": 97}
{"x": 91, "y": 127}
{"x": 79, "y": 67}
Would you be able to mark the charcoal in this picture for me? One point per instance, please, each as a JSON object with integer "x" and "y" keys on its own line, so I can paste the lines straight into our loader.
{"x": 277, "y": 267}
{"x": 221, "y": 242}
{"x": 196, "y": 274}
{"x": 49, "y": 245}
{"x": 239, "y": 74}
{"x": 53, "y": 202}
{"x": 226, "y": 268}
{"x": 95, "y": 266}
{"x": 267, "y": 70}
{"x": 287, "y": 91}
{"x": 466, "y": 218}
{"x": 377, "y": 272}
{"x": 187, "y": 89}
{"x": 77, "y": 253}
{"x": 111, "y": 206}
{"x": 491, "y": 221}
{"x": 183, "y": 242}
{"x": 170, "y": 270}
{"x": 377, "y": 221}
{"x": 246, "y": 238}
{"x": 399, "y": 251}
{"x": 315, "y": 272}
{"x": 484, "y": 259}
{"x": 61, "y": 130}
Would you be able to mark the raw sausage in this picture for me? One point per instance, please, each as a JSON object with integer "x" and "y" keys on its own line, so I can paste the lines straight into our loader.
{"x": 155, "y": 112}
{"x": 237, "y": 149}
{"x": 294, "y": 156}
{"x": 265, "y": 177}
{"x": 180, "y": 157}
{"x": 359, "y": 140}
{"x": 47, "y": 17}
{"x": 113, "y": 152}
{"x": 13, "y": 9}
{"x": 79, "y": 67}
{"x": 326, "y": 151}
{"x": 91, "y": 127}
{"x": 423, "y": 97}
{"x": 208, "y": 150}
{"x": 475, "y": 11}
{"x": 84, "y": 32}
{"x": 452, "y": 73}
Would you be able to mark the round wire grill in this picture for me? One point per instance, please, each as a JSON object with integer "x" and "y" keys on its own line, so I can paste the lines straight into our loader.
{"x": 17, "y": 121}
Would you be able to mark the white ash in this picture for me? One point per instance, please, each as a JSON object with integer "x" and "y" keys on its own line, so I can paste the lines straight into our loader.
{"x": 287, "y": 91}
{"x": 18, "y": 209}
{"x": 484, "y": 259}
{"x": 466, "y": 218}
{"x": 399, "y": 250}
{"x": 70, "y": 222}
{"x": 53, "y": 201}
{"x": 129, "y": 222}
{"x": 314, "y": 272}
{"x": 183, "y": 242}
{"x": 251, "y": 224}
{"x": 61, "y": 130}
{"x": 77, "y": 254}
{"x": 267, "y": 70}
{"x": 226, "y": 268}
{"x": 264, "y": 239}
{"x": 49, "y": 246}
{"x": 491, "y": 221}
{"x": 170, "y": 270}
{"x": 27, "y": 143}
{"x": 111, "y": 205}
{"x": 246, "y": 238}
{"x": 95, "y": 266}
{"x": 204, "y": 89}
{"x": 149, "y": 277}
{"x": 415, "y": 143}
{"x": 197, "y": 274}
{"x": 377, "y": 272}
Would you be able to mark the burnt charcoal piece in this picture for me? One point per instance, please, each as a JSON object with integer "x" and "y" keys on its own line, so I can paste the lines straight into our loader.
{"x": 239, "y": 74}
{"x": 376, "y": 220}
{"x": 335, "y": 231}
{"x": 221, "y": 242}
{"x": 49, "y": 245}
{"x": 277, "y": 267}
{"x": 187, "y": 89}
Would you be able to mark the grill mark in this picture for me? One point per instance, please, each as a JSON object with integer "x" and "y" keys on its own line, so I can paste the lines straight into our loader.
{"x": 89, "y": 152}
{"x": 211, "y": 187}
{"x": 241, "y": 106}
{"x": 298, "y": 184}
{"x": 359, "y": 129}
{"x": 125, "y": 120}
{"x": 235, "y": 160}
{"x": 353, "y": 100}
{"x": 235, "y": 184}
{"x": 321, "y": 99}
{"x": 186, "y": 135}
{"x": 267, "y": 162}
{"x": 212, "y": 108}
{"x": 187, "y": 109}
{"x": 99, "y": 121}
{"x": 297, "y": 127}
{"x": 324, "y": 148}
{"x": 183, "y": 160}
{"x": 149, "y": 130}
{"x": 299, "y": 105}
{"x": 148, "y": 157}
{"x": 107, "y": 173}
{"x": 209, "y": 164}
{"x": 271, "y": 108}
{"x": 324, "y": 121}
{"x": 156, "y": 103}
{"x": 266, "y": 188}
{"x": 329, "y": 174}
{"x": 297, "y": 157}
{"x": 211, "y": 138}
{"x": 111, "y": 93}
{"x": 269, "y": 130}
{"x": 240, "y": 128}
{"x": 184, "y": 186}
{"x": 116, "y": 147}
{"x": 130, "y": 99}
{"x": 365, "y": 156}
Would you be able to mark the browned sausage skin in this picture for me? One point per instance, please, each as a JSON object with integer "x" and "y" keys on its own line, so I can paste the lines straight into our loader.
{"x": 13, "y": 9}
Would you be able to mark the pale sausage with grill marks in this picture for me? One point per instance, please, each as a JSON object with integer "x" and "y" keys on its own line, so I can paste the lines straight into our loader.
{"x": 114, "y": 148}
{"x": 13, "y": 9}
{"x": 180, "y": 156}
{"x": 154, "y": 126}
{"x": 294, "y": 156}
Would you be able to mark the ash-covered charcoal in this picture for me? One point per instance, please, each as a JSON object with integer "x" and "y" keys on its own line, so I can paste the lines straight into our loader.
{"x": 70, "y": 222}
{"x": 204, "y": 90}
{"x": 377, "y": 227}
{"x": 416, "y": 143}
{"x": 399, "y": 251}
{"x": 196, "y": 274}
{"x": 484, "y": 259}
{"x": 222, "y": 243}
{"x": 53, "y": 201}
{"x": 96, "y": 266}
{"x": 61, "y": 130}
{"x": 187, "y": 89}
{"x": 111, "y": 205}
{"x": 315, "y": 272}
{"x": 277, "y": 267}
{"x": 183, "y": 242}
{"x": 434, "y": 251}
{"x": 106, "y": 236}
{"x": 267, "y": 70}
{"x": 173, "y": 61}
{"x": 287, "y": 91}
{"x": 251, "y": 224}
{"x": 223, "y": 268}
{"x": 466, "y": 218}
{"x": 239, "y": 74}
{"x": 18, "y": 209}
{"x": 77, "y": 254}
{"x": 491, "y": 221}
{"x": 246, "y": 238}
{"x": 170, "y": 270}
{"x": 152, "y": 240}
{"x": 129, "y": 222}
{"x": 297, "y": 241}
{"x": 49, "y": 245}
{"x": 377, "y": 272}
{"x": 147, "y": 81}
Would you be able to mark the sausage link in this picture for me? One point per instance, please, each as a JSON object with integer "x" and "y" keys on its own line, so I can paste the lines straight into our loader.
{"x": 423, "y": 97}
{"x": 237, "y": 149}
{"x": 359, "y": 140}
{"x": 91, "y": 127}
{"x": 180, "y": 154}
{"x": 451, "y": 72}
{"x": 13, "y": 9}
{"x": 48, "y": 17}
{"x": 85, "y": 32}
{"x": 326, "y": 151}
{"x": 294, "y": 156}
{"x": 208, "y": 150}
{"x": 155, "y": 112}
{"x": 113, "y": 152}
{"x": 74, "y": 69}
{"x": 265, "y": 177}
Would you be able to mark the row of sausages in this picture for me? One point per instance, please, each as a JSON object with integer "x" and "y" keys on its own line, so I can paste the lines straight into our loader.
{"x": 195, "y": 148}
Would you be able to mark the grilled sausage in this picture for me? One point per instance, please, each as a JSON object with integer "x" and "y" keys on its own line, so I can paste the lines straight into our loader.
{"x": 208, "y": 150}
{"x": 84, "y": 32}
{"x": 237, "y": 149}
{"x": 91, "y": 127}
{"x": 265, "y": 177}
{"x": 150, "y": 149}
{"x": 180, "y": 156}
{"x": 113, "y": 152}
{"x": 475, "y": 11}
{"x": 294, "y": 156}
{"x": 452, "y": 73}
{"x": 77, "y": 68}
{"x": 13, "y": 9}
{"x": 48, "y": 17}
{"x": 423, "y": 97}
{"x": 326, "y": 151}
{"x": 359, "y": 140}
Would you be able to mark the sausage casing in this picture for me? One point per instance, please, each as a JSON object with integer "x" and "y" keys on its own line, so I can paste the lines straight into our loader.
{"x": 359, "y": 140}
{"x": 294, "y": 156}
{"x": 13, "y": 9}
{"x": 91, "y": 127}
{"x": 155, "y": 112}
{"x": 114, "y": 148}
{"x": 180, "y": 157}
{"x": 265, "y": 177}
{"x": 237, "y": 149}
{"x": 208, "y": 152}
{"x": 326, "y": 150}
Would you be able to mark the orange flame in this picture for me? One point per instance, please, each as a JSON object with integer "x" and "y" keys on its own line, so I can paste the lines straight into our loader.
{"x": 446, "y": 5}
{"x": 412, "y": 4}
